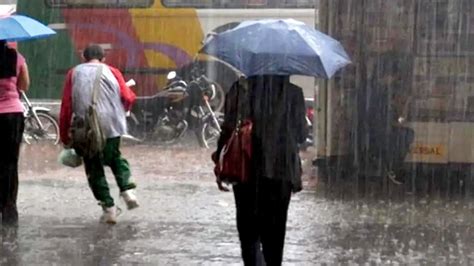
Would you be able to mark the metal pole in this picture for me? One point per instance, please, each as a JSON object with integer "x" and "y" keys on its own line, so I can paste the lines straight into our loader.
{"x": 320, "y": 93}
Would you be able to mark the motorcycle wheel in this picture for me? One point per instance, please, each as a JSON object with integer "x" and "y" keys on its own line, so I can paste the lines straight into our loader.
{"x": 168, "y": 134}
{"x": 208, "y": 135}
{"x": 33, "y": 133}
{"x": 217, "y": 103}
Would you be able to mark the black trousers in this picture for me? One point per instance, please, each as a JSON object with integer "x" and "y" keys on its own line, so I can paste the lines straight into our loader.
{"x": 11, "y": 132}
{"x": 399, "y": 148}
{"x": 393, "y": 146}
{"x": 262, "y": 208}
{"x": 386, "y": 149}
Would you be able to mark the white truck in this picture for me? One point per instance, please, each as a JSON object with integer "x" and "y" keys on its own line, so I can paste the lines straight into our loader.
{"x": 436, "y": 38}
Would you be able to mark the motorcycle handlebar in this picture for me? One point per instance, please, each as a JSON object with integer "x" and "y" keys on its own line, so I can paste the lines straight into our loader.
{"x": 204, "y": 77}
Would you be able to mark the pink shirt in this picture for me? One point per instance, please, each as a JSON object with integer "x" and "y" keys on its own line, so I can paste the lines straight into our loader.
{"x": 9, "y": 96}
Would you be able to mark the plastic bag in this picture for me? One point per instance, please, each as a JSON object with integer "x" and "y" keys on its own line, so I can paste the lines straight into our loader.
{"x": 69, "y": 157}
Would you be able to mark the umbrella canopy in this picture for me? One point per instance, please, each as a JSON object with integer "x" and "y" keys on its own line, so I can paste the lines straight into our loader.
{"x": 19, "y": 28}
{"x": 278, "y": 47}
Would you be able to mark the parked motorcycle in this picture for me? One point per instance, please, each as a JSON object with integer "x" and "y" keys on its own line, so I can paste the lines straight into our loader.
{"x": 309, "y": 122}
{"x": 40, "y": 125}
{"x": 166, "y": 116}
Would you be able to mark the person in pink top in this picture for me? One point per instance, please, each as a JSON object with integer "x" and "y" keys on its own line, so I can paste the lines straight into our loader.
{"x": 13, "y": 78}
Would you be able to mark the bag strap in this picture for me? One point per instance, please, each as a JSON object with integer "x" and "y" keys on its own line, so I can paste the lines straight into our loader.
{"x": 240, "y": 103}
{"x": 95, "y": 89}
{"x": 239, "y": 115}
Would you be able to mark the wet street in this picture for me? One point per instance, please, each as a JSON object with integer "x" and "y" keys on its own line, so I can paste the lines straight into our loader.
{"x": 185, "y": 220}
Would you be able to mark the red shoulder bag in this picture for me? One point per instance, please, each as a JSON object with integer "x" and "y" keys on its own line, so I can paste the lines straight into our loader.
{"x": 236, "y": 155}
{"x": 235, "y": 158}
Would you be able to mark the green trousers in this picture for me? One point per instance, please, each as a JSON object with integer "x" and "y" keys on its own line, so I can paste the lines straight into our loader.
{"x": 94, "y": 167}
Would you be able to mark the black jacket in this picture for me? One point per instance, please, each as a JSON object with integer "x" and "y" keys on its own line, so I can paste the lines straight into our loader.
{"x": 277, "y": 110}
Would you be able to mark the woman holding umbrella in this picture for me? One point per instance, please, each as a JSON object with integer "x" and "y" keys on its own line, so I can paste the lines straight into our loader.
{"x": 268, "y": 52}
{"x": 13, "y": 78}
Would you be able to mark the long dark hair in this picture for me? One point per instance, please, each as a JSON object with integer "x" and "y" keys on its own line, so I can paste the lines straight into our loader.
{"x": 8, "y": 57}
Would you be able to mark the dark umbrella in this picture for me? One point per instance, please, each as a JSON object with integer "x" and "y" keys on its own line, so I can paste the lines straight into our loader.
{"x": 278, "y": 47}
